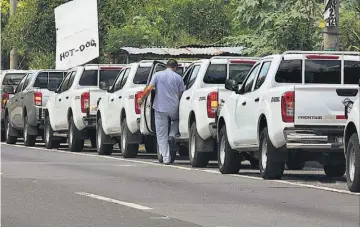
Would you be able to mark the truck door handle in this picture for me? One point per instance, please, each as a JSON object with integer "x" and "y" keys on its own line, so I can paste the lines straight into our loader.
{"x": 120, "y": 97}
{"x": 112, "y": 100}
{"x": 244, "y": 103}
{"x": 187, "y": 98}
{"x": 67, "y": 97}
{"x": 59, "y": 99}
{"x": 257, "y": 100}
{"x": 22, "y": 97}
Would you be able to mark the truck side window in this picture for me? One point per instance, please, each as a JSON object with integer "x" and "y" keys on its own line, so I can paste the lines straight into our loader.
{"x": 251, "y": 79}
{"x": 290, "y": 71}
{"x": 262, "y": 75}
{"x": 118, "y": 81}
{"x": 29, "y": 77}
{"x": 351, "y": 72}
{"x": 193, "y": 76}
{"x": 187, "y": 75}
{"x": 21, "y": 84}
{"x": 126, "y": 75}
{"x": 64, "y": 84}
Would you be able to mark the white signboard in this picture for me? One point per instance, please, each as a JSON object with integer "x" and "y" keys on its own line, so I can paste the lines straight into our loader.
{"x": 77, "y": 33}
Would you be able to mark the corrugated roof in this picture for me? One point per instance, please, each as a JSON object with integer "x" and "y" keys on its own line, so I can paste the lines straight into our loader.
{"x": 184, "y": 51}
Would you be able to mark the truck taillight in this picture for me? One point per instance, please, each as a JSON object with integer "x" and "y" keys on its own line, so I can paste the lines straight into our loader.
{"x": 85, "y": 102}
{"x": 38, "y": 98}
{"x": 4, "y": 99}
{"x": 212, "y": 104}
{"x": 288, "y": 107}
{"x": 138, "y": 97}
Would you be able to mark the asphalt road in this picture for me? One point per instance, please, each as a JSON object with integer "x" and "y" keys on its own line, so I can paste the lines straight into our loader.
{"x": 57, "y": 188}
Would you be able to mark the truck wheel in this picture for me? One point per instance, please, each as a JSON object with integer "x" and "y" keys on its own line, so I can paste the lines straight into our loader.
{"x": 75, "y": 140}
{"x": 295, "y": 161}
{"x": 8, "y": 138}
{"x": 151, "y": 144}
{"x": 269, "y": 169}
{"x": 197, "y": 159}
{"x": 229, "y": 160}
{"x": 102, "y": 149}
{"x": 49, "y": 140}
{"x": 335, "y": 170}
{"x": 128, "y": 150}
{"x": 183, "y": 150}
{"x": 29, "y": 140}
{"x": 352, "y": 164}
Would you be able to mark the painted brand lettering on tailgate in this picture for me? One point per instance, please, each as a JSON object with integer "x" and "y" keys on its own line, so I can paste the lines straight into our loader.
{"x": 310, "y": 117}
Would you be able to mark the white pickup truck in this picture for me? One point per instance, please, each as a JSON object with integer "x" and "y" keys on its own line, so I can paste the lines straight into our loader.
{"x": 204, "y": 85}
{"x": 71, "y": 112}
{"x": 118, "y": 114}
{"x": 289, "y": 108}
{"x": 351, "y": 139}
{"x": 24, "y": 115}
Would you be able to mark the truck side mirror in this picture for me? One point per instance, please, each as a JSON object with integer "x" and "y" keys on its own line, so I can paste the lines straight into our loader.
{"x": 231, "y": 85}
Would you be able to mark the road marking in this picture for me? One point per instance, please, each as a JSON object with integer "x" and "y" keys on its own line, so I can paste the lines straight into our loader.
{"x": 194, "y": 169}
{"x": 132, "y": 205}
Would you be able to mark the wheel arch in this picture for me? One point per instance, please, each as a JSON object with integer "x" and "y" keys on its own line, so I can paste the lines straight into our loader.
{"x": 349, "y": 130}
{"x": 220, "y": 124}
{"x": 192, "y": 119}
{"x": 122, "y": 115}
{"x": 262, "y": 123}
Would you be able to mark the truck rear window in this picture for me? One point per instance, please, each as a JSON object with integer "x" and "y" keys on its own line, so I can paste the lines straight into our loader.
{"x": 142, "y": 75}
{"x": 215, "y": 74}
{"x": 351, "y": 72}
{"x": 323, "y": 71}
{"x": 289, "y": 72}
{"x": 44, "y": 78}
{"x": 90, "y": 77}
{"x": 238, "y": 72}
{"x": 12, "y": 78}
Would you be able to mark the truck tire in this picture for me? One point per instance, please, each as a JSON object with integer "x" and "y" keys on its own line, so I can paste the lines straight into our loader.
{"x": 352, "y": 164}
{"x": 29, "y": 140}
{"x": 295, "y": 161}
{"x": 269, "y": 169}
{"x": 229, "y": 160}
{"x": 49, "y": 140}
{"x": 75, "y": 140}
{"x": 335, "y": 170}
{"x": 102, "y": 149}
{"x": 128, "y": 150}
{"x": 197, "y": 159}
{"x": 8, "y": 138}
{"x": 151, "y": 144}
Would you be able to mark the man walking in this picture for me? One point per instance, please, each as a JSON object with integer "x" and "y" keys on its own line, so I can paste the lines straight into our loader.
{"x": 169, "y": 87}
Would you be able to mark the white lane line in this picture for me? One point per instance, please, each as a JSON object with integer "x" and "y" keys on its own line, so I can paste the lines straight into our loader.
{"x": 202, "y": 170}
{"x": 132, "y": 205}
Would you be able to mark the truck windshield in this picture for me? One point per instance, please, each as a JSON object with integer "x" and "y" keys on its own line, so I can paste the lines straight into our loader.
{"x": 44, "y": 78}
{"x": 238, "y": 72}
{"x": 142, "y": 75}
{"x": 351, "y": 72}
{"x": 90, "y": 77}
{"x": 13, "y": 78}
{"x": 323, "y": 71}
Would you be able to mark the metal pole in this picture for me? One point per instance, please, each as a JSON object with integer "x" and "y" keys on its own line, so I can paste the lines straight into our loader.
{"x": 331, "y": 30}
{"x": 13, "y": 53}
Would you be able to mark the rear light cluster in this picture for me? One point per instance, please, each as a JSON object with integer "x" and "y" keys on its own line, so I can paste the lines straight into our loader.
{"x": 288, "y": 107}
{"x": 4, "y": 99}
{"x": 212, "y": 104}
{"x": 138, "y": 97}
{"x": 85, "y": 102}
{"x": 38, "y": 98}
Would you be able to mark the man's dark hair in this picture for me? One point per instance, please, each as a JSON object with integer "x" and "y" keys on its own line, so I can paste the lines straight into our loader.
{"x": 172, "y": 63}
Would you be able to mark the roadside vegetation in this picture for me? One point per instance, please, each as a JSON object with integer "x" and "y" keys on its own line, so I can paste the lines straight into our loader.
{"x": 264, "y": 27}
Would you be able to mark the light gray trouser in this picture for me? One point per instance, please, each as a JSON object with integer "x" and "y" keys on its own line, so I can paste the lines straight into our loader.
{"x": 162, "y": 131}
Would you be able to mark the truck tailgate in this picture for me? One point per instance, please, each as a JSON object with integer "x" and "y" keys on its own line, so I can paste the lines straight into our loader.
{"x": 322, "y": 105}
